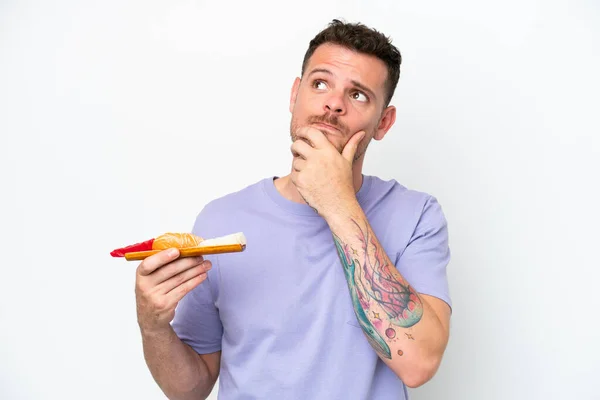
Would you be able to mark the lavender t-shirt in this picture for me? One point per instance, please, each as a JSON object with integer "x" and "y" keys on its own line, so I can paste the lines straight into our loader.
{"x": 281, "y": 312}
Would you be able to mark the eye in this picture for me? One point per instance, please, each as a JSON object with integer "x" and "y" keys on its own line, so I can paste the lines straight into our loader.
{"x": 360, "y": 96}
{"x": 319, "y": 84}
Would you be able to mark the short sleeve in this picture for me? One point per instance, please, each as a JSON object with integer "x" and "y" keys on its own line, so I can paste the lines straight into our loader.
{"x": 197, "y": 322}
{"x": 424, "y": 261}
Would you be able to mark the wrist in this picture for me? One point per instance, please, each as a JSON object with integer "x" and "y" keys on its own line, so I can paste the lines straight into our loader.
{"x": 156, "y": 331}
{"x": 343, "y": 209}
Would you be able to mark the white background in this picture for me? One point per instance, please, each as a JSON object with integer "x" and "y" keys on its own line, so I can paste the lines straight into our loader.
{"x": 119, "y": 120}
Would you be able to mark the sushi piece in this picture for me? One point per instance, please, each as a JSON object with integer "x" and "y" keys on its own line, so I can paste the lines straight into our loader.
{"x": 189, "y": 245}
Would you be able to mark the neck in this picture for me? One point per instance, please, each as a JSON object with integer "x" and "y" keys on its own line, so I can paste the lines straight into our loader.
{"x": 287, "y": 189}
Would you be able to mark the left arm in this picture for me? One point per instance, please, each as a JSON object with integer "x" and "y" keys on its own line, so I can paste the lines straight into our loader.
{"x": 409, "y": 331}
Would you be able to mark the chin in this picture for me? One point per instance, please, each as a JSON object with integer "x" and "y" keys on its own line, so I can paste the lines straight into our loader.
{"x": 339, "y": 146}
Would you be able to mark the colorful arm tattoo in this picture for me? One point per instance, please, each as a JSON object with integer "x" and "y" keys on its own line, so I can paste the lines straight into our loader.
{"x": 375, "y": 280}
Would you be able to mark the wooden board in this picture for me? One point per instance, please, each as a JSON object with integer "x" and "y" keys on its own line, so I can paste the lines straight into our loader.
{"x": 189, "y": 252}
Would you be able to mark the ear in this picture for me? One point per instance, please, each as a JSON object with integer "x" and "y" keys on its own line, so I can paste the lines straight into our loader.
{"x": 388, "y": 117}
{"x": 294, "y": 94}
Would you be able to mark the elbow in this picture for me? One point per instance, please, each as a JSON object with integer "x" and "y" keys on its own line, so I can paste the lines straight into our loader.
{"x": 416, "y": 380}
{"x": 421, "y": 374}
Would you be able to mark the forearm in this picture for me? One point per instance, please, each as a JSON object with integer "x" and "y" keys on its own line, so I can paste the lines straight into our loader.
{"x": 401, "y": 326}
{"x": 176, "y": 367}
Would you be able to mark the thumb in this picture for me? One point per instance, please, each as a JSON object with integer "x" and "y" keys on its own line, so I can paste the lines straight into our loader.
{"x": 352, "y": 145}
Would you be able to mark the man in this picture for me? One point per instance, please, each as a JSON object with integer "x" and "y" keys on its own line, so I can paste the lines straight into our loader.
{"x": 342, "y": 290}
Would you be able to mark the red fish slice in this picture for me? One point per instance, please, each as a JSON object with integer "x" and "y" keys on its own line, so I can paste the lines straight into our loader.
{"x": 143, "y": 246}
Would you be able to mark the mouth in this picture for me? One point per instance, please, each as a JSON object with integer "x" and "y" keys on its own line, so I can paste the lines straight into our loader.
{"x": 327, "y": 127}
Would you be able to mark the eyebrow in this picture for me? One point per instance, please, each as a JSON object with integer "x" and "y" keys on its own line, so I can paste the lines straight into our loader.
{"x": 355, "y": 83}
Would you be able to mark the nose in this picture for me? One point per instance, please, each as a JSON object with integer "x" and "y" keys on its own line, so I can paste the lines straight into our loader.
{"x": 335, "y": 104}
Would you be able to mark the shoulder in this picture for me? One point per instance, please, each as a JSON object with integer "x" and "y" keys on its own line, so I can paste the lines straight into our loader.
{"x": 389, "y": 193}
{"x": 217, "y": 216}
{"x": 235, "y": 200}
{"x": 410, "y": 211}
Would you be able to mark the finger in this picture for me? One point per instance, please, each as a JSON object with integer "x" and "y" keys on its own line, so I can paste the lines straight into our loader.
{"x": 300, "y": 134}
{"x": 176, "y": 267}
{"x": 175, "y": 295}
{"x": 350, "y": 148}
{"x": 155, "y": 261}
{"x": 298, "y": 164}
{"x": 301, "y": 149}
{"x": 315, "y": 137}
{"x": 184, "y": 276}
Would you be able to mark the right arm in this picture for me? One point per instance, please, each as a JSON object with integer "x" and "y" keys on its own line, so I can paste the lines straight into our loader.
{"x": 161, "y": 282}
{"x": 180, "y": 372}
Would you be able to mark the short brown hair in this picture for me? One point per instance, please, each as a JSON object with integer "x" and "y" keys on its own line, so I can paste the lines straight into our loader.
{"x": 360, "y": 38}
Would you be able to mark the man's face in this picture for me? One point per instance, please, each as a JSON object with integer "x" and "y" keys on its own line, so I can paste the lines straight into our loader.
{"x": 342, "y": 92}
